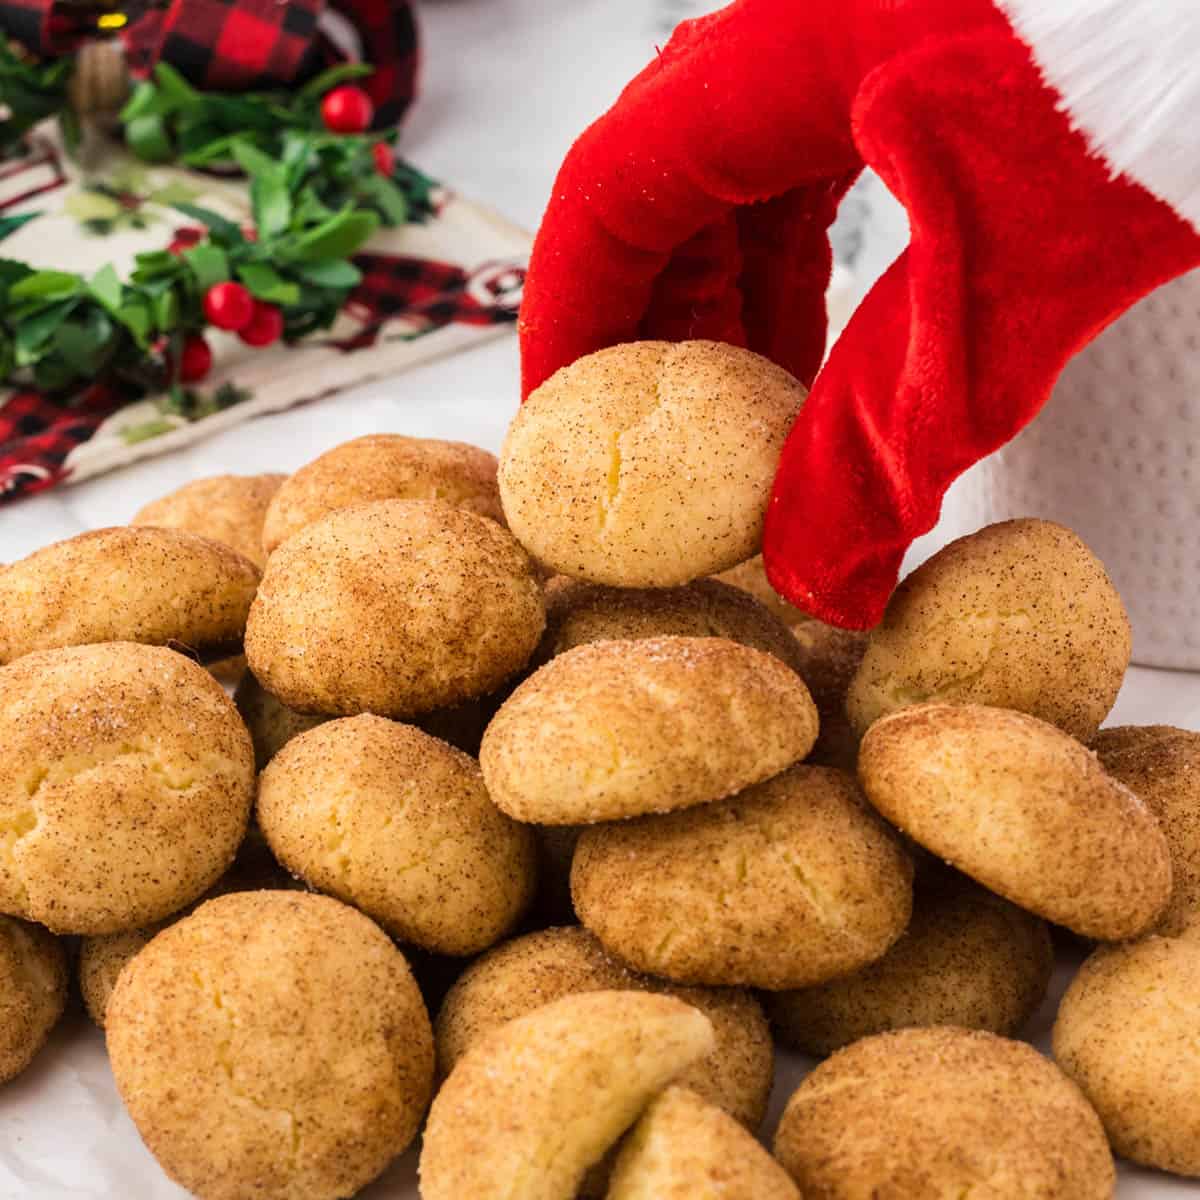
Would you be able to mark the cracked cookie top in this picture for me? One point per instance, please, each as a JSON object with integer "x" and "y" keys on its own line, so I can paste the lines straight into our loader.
{"x": 648, "y": 464}
{"x": 127, "y": 783}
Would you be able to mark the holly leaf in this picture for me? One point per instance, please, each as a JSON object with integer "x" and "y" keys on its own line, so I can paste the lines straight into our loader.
{"x": 155, "y": 264}
{"x": 266, "y": 283}
{"x": 134, "y": 314}
{"x": 252, "y": 160}
{"x": 175, "y": 89}
{"x": 86, "y": 341}
{"x": 105, "y": 285}
{"x": 225, "y": 229}
{"x": 385, "y": 196}
{"x": 209, "y": 263}
{"x": 34, "y": 332}
{"x": 148, "y": 138}
{"x": 146, "y": 101}
{"x": 272, "y": 204}
{"x": 10, "y": 225}
{"x": 46, "y": 285}
{"x": 217, "y": 149}
{"x": 12, "y": 269}
{"x": 11, "y": 272}
{"x": 327, "y": 80}
{"x": 309, "y": 210}
{"x": 166, "y": 309}
{"x": 297, "y": 149}
{"x": 194, "y": 133}
{"x": 337, "y": 273}
{"x": 339, "y": 237}
{"x": 50, "y": 374}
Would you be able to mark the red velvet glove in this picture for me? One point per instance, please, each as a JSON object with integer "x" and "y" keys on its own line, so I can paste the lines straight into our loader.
{"x": 698, "y": 207}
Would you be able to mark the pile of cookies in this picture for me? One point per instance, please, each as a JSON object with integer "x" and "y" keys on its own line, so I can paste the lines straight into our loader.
{"x": 533, "y": 747}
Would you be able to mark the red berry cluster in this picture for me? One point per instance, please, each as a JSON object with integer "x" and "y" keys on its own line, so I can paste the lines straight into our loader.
{"x": 229, "y": 306}
{"x": 348, "y": 109}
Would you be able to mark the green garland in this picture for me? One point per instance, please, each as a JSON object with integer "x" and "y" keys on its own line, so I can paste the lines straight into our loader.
{"x": 316, "y": 197}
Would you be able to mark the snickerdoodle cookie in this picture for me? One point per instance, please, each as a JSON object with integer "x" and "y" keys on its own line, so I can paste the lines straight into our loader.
{"x": 272, "y": 1044}
{"x": 127, "y": 783}
{"x": 648, "y": 464}
{"x": 617, "y": 729}
{"x": 396, "y": 607}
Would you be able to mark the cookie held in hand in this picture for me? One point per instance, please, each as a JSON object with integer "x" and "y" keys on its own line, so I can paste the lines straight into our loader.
{"x": 648, "y": 464}
{"x": 1017, "y": 615}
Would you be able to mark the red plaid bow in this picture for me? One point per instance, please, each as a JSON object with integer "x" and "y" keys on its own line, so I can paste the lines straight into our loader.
{"x": 243, "y": 45}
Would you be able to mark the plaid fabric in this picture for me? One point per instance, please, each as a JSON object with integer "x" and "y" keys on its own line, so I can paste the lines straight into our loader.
{"x": 430, "y": 293}
{"x": 227, "y": 45}
{"x": 46, "y": 29}
{"x": 389, "y": 33}
{"x": 237, "y": 45}
{"x": 37, "y": 434}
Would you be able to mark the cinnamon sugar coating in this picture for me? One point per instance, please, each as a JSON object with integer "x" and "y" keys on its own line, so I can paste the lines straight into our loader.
{"x": 943, "y": 1112}
{"x": 400, "y": 825}
{"x": 272, "y": 1044}
{"x": 1025, "y": 810}
{"x": 131, "y": 584}
{"x": 621, "y": 728}
{"x": 648, "y": 464}
{"x": 127, "y": 783}
{"x": 789, "y": 883}
{"x": 396, "y": 607}
{"x": 528, "y": 972}
{"x": 384, "y": 466}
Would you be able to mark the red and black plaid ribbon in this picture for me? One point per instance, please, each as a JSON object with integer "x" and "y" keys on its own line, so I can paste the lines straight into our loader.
{"x": 37, "y": 434}
{"x": 430, "y": 293}
{"x": 239, "y": 45}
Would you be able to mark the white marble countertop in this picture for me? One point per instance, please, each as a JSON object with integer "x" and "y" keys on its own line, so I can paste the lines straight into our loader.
{"x": 507, "y": 85}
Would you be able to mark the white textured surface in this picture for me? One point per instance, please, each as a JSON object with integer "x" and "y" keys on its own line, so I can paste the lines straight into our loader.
{"x": 1116, "y": 456}
{"x": 1126, "y": 71}
{"x": 508, "y": 84}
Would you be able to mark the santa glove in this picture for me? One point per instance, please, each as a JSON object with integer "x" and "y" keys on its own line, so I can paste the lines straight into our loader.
{"x": 698, "y": 207}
